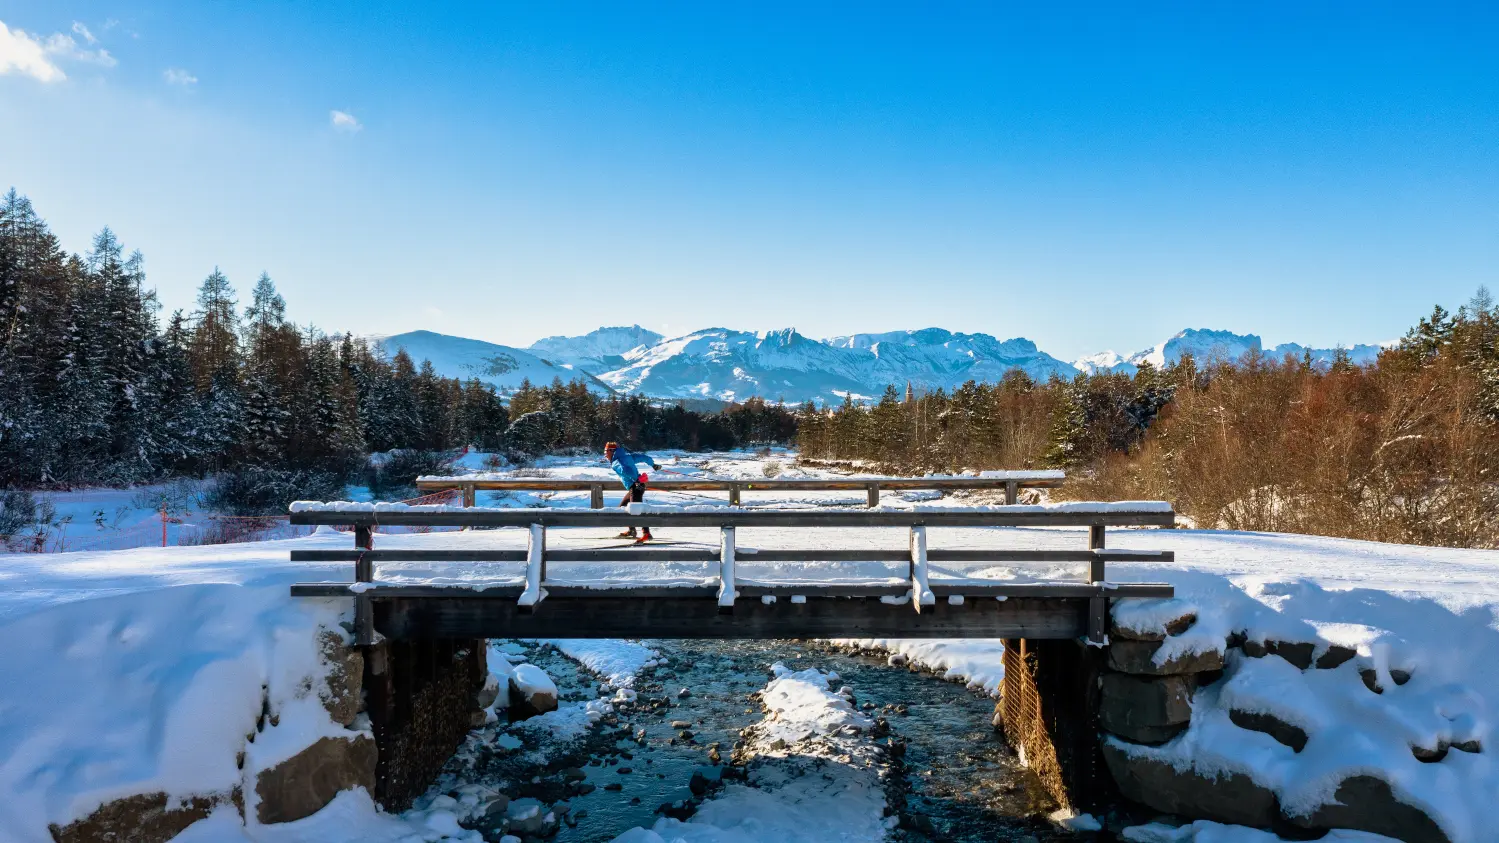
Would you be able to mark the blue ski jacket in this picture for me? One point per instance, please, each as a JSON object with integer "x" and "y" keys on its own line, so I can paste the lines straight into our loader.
{"x": 625, "y": 465}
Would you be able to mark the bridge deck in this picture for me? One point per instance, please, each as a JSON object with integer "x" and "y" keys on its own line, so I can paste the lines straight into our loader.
{"x": 726, "y": 603}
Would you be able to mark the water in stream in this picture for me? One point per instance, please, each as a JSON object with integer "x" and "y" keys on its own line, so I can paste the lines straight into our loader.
{"x": 958, "y": 781}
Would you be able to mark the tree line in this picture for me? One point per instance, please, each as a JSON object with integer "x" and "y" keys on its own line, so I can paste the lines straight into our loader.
{"x": 96, "y": 388}
{"x": 1404, "y": 450}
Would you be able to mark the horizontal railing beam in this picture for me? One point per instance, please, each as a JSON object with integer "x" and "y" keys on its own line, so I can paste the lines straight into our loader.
{"x": 648, "y": 553}
{"x": 1018, "y": 517}
{"x": 901, "y": 484}
{"x": 747, "y": 588}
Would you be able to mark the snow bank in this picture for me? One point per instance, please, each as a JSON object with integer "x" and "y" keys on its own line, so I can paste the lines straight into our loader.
{"x": 976, "y": 662}
{"x": 1204, "y": 831}
{"x": 154, "y": 692}
{"x": 618, "y": 662}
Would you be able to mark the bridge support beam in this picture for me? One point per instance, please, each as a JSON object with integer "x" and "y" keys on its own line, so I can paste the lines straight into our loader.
{"x": 1048, "y": 710}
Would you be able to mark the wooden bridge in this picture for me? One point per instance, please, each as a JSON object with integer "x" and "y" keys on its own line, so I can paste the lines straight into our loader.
{"x": 1010, "y": 482}
{"x": 726, "y": 604}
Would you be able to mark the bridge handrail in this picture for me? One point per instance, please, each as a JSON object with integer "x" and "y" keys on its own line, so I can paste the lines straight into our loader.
{"x": 1070, "y": 514}
{"x": 1008, "y": 481}
{"x": 1096, "y": 516}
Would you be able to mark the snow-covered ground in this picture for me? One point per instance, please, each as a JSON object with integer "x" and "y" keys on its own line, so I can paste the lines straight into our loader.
{"x": 139, "y": 670}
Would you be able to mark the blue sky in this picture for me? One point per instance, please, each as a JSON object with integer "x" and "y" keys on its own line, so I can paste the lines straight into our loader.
{"x": 1093, "y": 179}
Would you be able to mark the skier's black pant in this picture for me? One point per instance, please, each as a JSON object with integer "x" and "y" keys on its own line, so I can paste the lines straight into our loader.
{"x": 635, "y": 494}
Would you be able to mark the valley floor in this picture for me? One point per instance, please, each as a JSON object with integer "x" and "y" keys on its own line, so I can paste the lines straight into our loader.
{"x": 145, "y": 669}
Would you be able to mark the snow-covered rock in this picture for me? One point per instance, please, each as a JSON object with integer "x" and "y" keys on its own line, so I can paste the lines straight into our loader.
{"x": 532, "y": 692}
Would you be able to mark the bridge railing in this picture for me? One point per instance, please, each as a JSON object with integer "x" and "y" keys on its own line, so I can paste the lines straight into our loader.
{"x": 1010, "y": 482}
{"x": 918, "y": 589}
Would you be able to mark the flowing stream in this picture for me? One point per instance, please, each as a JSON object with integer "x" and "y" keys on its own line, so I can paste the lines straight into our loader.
{"x": 959, "y": 782}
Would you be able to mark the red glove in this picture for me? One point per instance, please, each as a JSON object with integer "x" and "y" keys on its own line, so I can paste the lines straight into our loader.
{"x": 643, "y": 478}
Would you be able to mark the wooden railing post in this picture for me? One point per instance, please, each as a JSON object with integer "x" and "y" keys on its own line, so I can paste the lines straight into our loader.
{"x": 726, "y": 586}
{"x": 536, "y": 568}
{"x": 733, "y": 495}
{"x": 874, "y": 494}
{"x": 921, "y": 592}
{"x": 469, "y": 495}
{"x": 596, "y": 496}
{"x": 1012, "y": 492}
{"x": 1098, "y": 607}
{"x": 364, "y": 571}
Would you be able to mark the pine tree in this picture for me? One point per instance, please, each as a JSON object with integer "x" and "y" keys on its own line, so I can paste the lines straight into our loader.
{"x": 1069, "y": 426}
{"x": 180, "y": 436}
{"x": 214, "y": 349}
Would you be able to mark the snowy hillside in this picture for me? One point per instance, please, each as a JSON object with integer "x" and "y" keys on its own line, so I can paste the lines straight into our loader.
{"x": 1208, "y": 345}
{"x": 725, "y": 364}
{"x": 596, "y": 351}
{"x": 933, "y": 358}
{"x": 501, "y": 366}
{"x": 734, "y": 365}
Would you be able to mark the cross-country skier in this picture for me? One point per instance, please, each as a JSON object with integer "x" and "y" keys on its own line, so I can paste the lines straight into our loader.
{"x": 626, "y": 464}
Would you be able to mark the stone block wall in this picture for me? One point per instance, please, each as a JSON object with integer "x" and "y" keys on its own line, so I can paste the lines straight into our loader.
{"x": 1145, "y": 705}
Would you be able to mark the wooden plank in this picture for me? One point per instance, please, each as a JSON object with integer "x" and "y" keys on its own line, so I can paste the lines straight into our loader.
{"x": 649, "y": 553}
{"x": 404, "y": 555}
{"x": 873, "y": 495}
{"x": 755, "y": 590}
{"x": 738, "y": 518}
{"x": 507, "y": 591}
{"x": 570, "y": 617}
{"x": 1012, "y": 490}
{"x": 807, "y": 484}
{"x": 578, "y": 591}
{"x": 644, "y": 553}
{"x": 941, "y": 588}
{"x": 1077, "y": 590}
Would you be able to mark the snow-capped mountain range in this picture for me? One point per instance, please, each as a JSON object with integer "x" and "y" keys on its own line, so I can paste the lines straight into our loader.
{"x": 729, "y": 365}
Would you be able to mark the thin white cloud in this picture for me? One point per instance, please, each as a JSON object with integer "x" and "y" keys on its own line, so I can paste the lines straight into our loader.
{"x": 62, "y": 45}
{"x": 178, "y": 76}
{"x": 343, "y": 121}
{"x": 26, "y": 55}
{"x": 80, "y": 29}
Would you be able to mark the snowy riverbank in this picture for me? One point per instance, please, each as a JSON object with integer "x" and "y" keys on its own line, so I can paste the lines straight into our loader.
{"x": 145, "y": 668}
